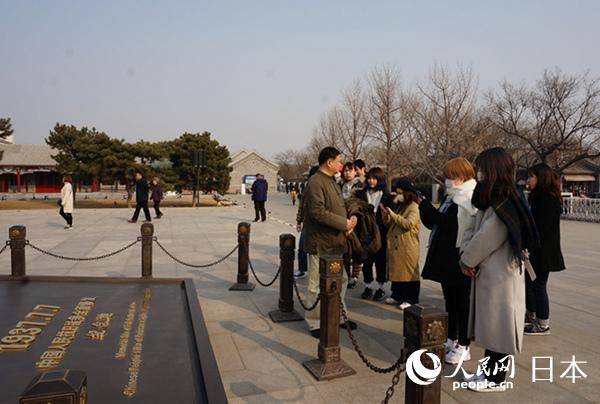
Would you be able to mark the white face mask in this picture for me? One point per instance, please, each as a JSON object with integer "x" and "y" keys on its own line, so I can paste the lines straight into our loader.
{"x": 449, "y": 184}
{"x": 480, "y": 176}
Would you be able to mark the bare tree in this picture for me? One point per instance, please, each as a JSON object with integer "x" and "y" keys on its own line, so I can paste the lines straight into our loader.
{"x": 353, "y": 121}
{"x": 556, "y": 122}
{"x": 387, "y": 126}
{"x": 294, "y": 163}
{"x": 445, "y": 120}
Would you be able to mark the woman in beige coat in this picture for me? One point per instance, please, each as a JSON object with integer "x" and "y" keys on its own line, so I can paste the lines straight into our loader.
{"x": 403, "y": 225}
{"x": 492, "y": 257}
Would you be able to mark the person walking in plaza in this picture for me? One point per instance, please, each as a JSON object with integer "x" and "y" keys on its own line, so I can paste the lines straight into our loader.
{"x": 141, "y": 198}
{"x": 492, "y": 255}
{"x": 157, "y": 196}
{"x": 325, "y": 224}
{"x": 546, "y": 208}
{"x": 293, "y": 196}
{"x": 448, "y": 225}
{"x": 403, "y": 224}
{"x": 259, "y": 190}
{"x": 66, "y": 201}
{"x": 377, "y": 195}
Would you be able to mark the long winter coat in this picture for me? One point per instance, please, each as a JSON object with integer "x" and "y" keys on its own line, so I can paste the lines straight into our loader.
{"x": 546, "y": 210}
{"x": 403, "y": 244}
{"x": 141, "y": 190}
{"x": 497, "y": 307}
{"x": 66, "y": 197}
{"x": 259, "y": 190}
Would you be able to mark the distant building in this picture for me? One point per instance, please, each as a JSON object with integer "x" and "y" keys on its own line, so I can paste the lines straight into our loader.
{"x": 28, "y": 168}
{"x": 582, "y": 178}
{"x": 245, "y": 164}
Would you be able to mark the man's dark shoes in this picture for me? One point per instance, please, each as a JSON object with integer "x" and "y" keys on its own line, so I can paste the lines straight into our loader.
{"x": 131, "y": 221}
{"x": 255, "y": 220}
{"x": 352, "y": 324}
{"x": 316, "y": 333}
{"x": 379, "y": 295}
{"x": 367, "y": 294}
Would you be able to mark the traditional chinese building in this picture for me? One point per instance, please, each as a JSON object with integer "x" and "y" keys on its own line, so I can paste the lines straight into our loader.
{"x": 28, "y": 168}
{"x": 582, "y": 178}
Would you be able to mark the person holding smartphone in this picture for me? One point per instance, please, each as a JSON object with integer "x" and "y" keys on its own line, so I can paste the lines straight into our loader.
{"x": 403, "y": 223}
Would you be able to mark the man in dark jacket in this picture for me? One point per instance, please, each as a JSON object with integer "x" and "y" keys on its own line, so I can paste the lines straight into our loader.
{"x": 141, "y": 198}
{"x": 325, "y": 222}
{"x": 259, "y": 190}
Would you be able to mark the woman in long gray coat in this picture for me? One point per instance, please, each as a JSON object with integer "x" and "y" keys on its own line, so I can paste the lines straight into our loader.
{"x": 492, "y": 254}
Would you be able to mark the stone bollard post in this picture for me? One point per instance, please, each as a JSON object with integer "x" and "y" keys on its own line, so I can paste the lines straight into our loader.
{"x": 147, "y": 231}
{"x": 286, "y": 312}
{"x": 329, "y": 365}
{"x": 425, "y": 328}
{"x": 16, "y": 234}
{"x": 243, "y": 258}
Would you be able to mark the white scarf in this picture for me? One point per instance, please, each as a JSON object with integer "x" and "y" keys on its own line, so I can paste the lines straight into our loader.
{"x": 461, "y": 195}
{"x": 374, "y": 198}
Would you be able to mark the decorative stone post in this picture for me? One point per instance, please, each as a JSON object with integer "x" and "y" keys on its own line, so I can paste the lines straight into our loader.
{"x": 147, "y": 231}
{"x": 426, "y": 328}
{"x": 286, "y": 312}
{"x": 329, "y": 365}
{"x": 17, "y": 234}
{"x": 243, "y": 258}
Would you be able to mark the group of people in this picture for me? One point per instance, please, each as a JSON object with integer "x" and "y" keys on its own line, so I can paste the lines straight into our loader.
{"x": 490, "y": 247}
{"x": 143, "y": 191}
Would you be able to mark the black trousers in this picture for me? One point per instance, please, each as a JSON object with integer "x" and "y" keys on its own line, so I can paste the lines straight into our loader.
{"x": 456, "y": 297}
{"x": 379, "y": 260}
{"x": 406, "y": 291}
{"x": 157, "y": 209}
{"x": 259, "y": 210}
{"x": 495, "y": 358}
{"x": 138, "y": 206}
{"x": 67, "y": 216}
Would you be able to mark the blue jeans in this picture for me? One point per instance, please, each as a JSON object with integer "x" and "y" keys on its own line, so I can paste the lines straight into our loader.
{"x": 536, "y": 296}
{"x": 302, "y": 256}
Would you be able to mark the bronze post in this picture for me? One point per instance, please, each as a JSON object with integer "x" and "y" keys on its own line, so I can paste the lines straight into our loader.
{"x": 329, "y": 365}
{"x": 16, "y": 234}
{"x": 147, "y": 231}
{"x": 425, "y": 327}
{"x": 243, "y": 258}
{"x": 286, "y": 312}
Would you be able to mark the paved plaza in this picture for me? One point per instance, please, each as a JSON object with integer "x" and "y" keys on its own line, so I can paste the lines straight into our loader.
{"x": 260, "y": 361}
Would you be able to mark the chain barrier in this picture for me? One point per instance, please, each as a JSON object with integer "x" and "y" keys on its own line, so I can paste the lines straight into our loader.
{"x": 195, "y": 265}
{"x": 390, "y": 391}
{"x": 5, "y": 247}
{"x": 266, "y": 285}
{"x": 64, "y": 257}
{"x": 306, "y": 308}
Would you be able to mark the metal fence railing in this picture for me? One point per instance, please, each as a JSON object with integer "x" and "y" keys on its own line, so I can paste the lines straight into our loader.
{"x": 583, "y": 209}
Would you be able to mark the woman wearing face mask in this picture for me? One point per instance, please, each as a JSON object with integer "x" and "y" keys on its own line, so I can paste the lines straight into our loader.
{"x": 492, "y": 255}
{"x": 403, "y": 245}
{"x": 448, "y": 225}
{"x": 546, "y": 208}
{"x": 377, "y": 195}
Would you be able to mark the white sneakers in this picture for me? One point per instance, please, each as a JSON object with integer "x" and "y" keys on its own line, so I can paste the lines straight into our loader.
{"x": 390, "y": 301}
{"x": 455, "y": 354}
{"x": 449, "y": 344}
{"x": 404, "y": 305}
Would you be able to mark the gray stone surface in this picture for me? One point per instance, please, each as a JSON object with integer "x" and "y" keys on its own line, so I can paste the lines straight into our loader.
{"x": 260, "y": 362}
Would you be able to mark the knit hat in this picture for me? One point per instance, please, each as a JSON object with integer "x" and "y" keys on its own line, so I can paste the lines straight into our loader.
{"x": 405, "y": 184}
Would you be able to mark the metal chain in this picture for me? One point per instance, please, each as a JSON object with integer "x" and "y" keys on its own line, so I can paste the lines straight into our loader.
{"x": 306, "y": 308}
{"x": 390, "y": 391}
{"x": 195, "y": 265}
{"x": 266, "y": 285}
{"x": 5, "y": 247}
{"x": 63, "y": 257}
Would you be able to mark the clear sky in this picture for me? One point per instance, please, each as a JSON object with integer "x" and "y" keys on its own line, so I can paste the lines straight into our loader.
{"x": 257, "y": 74}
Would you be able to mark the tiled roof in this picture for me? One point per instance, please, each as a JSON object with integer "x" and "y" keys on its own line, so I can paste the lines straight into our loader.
{"x": 26, "y": 155}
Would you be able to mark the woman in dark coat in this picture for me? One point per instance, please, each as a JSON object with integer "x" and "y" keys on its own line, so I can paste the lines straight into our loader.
{"x": 546, "y": 208}
{"x": 377, "y": 195}
{"x": 448, "y": 224}
{"x": 157, "y": 196}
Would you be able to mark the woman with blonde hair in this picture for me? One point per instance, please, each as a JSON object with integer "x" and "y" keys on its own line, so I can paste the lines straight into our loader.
{"x": 448, "y": 225}
{"x": 66, "y": 201}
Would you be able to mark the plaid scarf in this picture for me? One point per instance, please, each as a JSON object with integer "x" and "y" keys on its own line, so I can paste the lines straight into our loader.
{"x": 522, "y": 232}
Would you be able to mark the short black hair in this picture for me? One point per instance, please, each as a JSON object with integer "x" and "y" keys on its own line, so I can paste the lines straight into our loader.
{"x": 328, "y": 153}
{"x": 359, "y": 163}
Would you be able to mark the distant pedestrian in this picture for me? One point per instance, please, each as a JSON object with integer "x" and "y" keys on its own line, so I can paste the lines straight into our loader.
{"x": 157, "y": 196}
{"x": 66, "y": 201}
{"x": 293, "y": 195}
{"x": 492, "y": 255}
{"x": 141, "y": 198}
{"x": 259, "y": 190}
{"x": 448, "y": 225}
{"x": 287, "y": 187}
{"x": 325, "y": 224}
{"x": 377, "y": 195}
{"x": 546, "y": 208}
{"x": 403, "y": 225}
